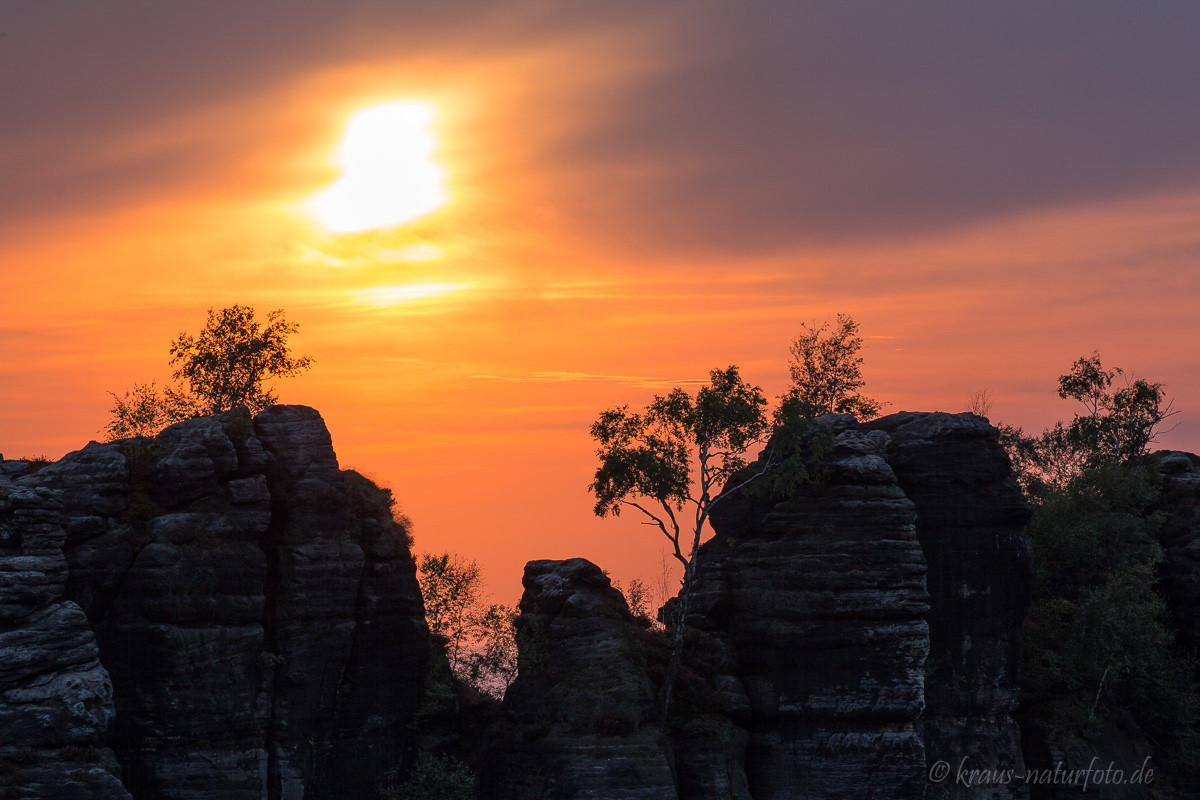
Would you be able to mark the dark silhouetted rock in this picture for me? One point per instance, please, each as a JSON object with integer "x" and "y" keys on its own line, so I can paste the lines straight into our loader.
{"x": 56, "y": 700}
{"x": 222, "y": 612}
{"x": 820, "y": 601}
{"x": 581, "y": 713}
{"x": 256, "y": 608}
{"x": 971, "y": 517}
{"x": 839, "y": 641}
{"x": 1180, "y": 500}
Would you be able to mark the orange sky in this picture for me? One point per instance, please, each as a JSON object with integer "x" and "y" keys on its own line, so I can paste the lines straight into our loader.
{"x": 635, "y": 197}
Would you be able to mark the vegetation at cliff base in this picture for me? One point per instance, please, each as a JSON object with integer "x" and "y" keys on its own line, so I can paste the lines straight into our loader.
{"x": 1096, "y": 630}
{"x": 436, "y": 778}
{"x": 1097, "y": 639}
{"x": 479, "y": 638}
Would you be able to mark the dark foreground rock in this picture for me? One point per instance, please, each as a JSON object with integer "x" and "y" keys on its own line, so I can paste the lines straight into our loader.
{"x": 874, "y": 617}
{"x": 56, "y": 699}
{"x": 580, "y": 718}
{"x": 970, "y": 522}
{"x": 819, "y": 601}
{"x": 1180, "y": 503}
{"x": 223, "y": 613}
{"x": 841, "y": 641}
{"x": 222, "y": 606}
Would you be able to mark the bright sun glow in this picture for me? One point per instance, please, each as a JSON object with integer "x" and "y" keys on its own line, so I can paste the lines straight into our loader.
{"x": 395, "y": 295}
{"x": 389, "y": 175}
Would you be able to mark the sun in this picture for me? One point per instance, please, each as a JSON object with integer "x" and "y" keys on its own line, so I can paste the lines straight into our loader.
{"x": 389, "y": 175}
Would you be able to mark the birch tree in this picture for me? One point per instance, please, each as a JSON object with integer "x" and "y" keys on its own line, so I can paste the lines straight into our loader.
{"x": 670, "y": 462}
{"x": 826, "y": 371}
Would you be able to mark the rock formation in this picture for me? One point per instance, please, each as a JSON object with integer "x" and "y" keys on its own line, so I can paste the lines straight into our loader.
{"x": 580, "y": 718}
{"x": 56, "y": 700}
{"x": 970, "y": 522}
{"x": 842, "y": 640}
{"x": 819, "y": 602}
{"x": 1180, "y": 500}
{"x": 255, "y": 607}
{"x": 222, "y": 612}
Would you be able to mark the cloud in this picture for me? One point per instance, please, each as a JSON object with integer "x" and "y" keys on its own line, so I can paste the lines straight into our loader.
{"x": 640, "y": 381}
{"x": 697, "y": 130}
{"x": 799, "y": 124}
{"x": 750, "y": 128}
{"x": 117, "y": 102}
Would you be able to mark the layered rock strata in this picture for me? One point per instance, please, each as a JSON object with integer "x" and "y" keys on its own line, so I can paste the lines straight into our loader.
{"x": 580, "y": 717}
{"x": 868, "y": 626}
{"x": 222, "y": 612}
{"x": 971, "y": 517}
{"x": 56, "y": 699}
{"x": 841, "y": 641}
{"x": 817, "y": 606}
{"x": 256, "y": 609}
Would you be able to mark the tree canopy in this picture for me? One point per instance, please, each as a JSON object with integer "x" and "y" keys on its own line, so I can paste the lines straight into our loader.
{"x": 144, "y": 410}
{"x": 826, "y": 371}
{"x": 1119, "y": 424}
{"x": 227, "y": 364}
{"x": 479, "y": 638}
{"x": 1116, "y": 426}
{"x": 224, "y": 366}
{"x": 677, "y": 454}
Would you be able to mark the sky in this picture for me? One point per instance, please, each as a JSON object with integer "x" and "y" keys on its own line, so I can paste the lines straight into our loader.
{"x": 628, "y": 196}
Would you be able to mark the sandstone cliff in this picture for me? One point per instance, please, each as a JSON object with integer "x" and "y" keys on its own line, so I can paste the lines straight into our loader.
{"x": 581, "y": 716}
{"x": 218, "y": 613}
{"x": 843, "y": 640}
{"x": 1180, "y": 502}
{"x": 970, "y": 522}
{"x": 223, "y": 612}
{"x": 874, "y": 617}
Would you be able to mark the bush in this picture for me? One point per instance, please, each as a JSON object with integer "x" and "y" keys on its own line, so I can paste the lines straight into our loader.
{"x": 1096, "y": 631}
{"x": 368, "y": 500}
{"x": 436, "y": 778}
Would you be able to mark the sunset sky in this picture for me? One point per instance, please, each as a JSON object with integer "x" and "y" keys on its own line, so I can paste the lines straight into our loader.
{"x": 611, "y": 199}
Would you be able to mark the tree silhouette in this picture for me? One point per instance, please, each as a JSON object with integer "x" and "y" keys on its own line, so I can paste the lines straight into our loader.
{"x": 1118, "y": 425}
{"x": 647, "y": 461}
{"x": 647, "y": 458}
{"x": 227, "y": 363}
{"x": 826, "y": 372}
{"x": 224, "y": 366}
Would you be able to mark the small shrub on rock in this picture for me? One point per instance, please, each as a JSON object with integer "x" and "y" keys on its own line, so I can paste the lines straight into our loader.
{"x": 436, "y": 778}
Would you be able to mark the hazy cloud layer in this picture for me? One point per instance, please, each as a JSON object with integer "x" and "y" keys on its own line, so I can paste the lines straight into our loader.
{"x": 762, "y": 126}
{"x": 811, "y": 122}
